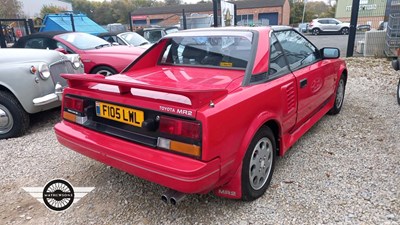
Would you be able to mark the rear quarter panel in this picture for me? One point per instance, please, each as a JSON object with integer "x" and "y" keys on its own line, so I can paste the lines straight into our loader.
{"x": 229, "y": 127}
{"x": 340, "y": 67}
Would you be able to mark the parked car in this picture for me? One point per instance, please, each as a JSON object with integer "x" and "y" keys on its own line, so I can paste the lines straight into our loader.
{"x": 396, "y": 66}
{"x": 126, "y": 38}
{"x": 383, "y": 26}
{"x": 328, "y": 25}
{"x": 154, "y": 34}
{"x": 302, "y": 28}
{"x": 97, "y": 55}
{"x": 205, "y": 109}
{"x": 116, "y": 28}
{"x": 363, "y": 27}
{"x": 30, "y": 82}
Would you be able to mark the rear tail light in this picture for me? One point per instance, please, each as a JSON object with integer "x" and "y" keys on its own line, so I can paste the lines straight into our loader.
{"x": 177, "y": 146}
{"x": 74, "y": 109}
{"x": 75, "y": 104}
{"x": 184, "y": 130}
{"x": 179, "y": 127}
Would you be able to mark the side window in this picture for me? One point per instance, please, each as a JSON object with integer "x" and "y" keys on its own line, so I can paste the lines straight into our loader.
{"x": 277, "y": 62}
{"x": 298, "y": 50}
{"x": 110, "y": 39}
{"x": 50, "y": 43}
{"x": 178, "y": 53}
{"x": 120, "y": 42}
{"x": 154, "y": 36}
{"x": 61, "y": 45}
{"x": 333, "y": 22}
{"x": 37, "y": 43}
{"x": 324, "y": 21}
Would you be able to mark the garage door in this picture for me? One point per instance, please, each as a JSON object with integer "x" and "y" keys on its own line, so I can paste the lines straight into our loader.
{"x": 268, "y": 18}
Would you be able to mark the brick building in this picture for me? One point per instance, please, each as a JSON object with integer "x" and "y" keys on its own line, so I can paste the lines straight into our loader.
{"x": 249, "y": 12}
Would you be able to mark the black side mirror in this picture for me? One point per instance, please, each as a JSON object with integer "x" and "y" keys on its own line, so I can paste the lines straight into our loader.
{"x": 395, "y": 64}
{"x": 330, "y": 53}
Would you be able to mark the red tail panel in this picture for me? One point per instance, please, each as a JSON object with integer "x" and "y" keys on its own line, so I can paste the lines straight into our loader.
{"x": 196, "y": 96}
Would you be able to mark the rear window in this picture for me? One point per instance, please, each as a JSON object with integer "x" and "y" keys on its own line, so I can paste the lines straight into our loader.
{"x": 228, "y": 51}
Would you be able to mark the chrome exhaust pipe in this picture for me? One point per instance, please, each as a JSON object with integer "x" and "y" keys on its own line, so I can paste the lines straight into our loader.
{"x": 177, "y": 197}
{"x": 167, "y": 195}
{"x": 172, "y": 197}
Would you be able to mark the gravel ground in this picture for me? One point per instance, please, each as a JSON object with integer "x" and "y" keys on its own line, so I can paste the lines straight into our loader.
{"x": 345, "y": 170}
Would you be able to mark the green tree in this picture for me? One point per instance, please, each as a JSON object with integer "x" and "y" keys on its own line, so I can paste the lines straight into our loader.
{"x": 103, "y": 13}
{"x": 317, "y": 7}
{"x": 330, "y": 13}
{"x": 46, "y": 9}
{"x": 296, "y": 13}
{"x": 173, "y": 2}
{"x": 111, "y": 12}
{"x": 312, "y": 10}
{"x": 84, "y": 6}
{"x": 11, "y": 9}
{"x": 122, "y": 8}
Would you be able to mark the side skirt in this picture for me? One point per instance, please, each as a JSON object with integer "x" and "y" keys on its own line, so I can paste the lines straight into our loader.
{"x": 289, "y": 139}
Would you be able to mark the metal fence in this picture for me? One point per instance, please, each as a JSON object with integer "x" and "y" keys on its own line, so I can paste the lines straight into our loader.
{"x": 12, "y": 29}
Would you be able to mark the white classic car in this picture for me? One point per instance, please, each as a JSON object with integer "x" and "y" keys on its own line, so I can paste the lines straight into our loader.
{"x": 30, "y": 82}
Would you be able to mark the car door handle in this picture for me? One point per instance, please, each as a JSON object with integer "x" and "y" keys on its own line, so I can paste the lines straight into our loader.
{"x": 303, "y": 83}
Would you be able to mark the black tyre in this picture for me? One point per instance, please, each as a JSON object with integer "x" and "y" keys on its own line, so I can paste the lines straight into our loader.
{"x": 104, "y": 70}
{"x": 339, "y": 98}
{"x": 258, "y": 164}
{"x": 398, "y": 92}
{"x": 315, "y": 31}
{"x": 344, "y": 31}
{"x": 14, "y": 120}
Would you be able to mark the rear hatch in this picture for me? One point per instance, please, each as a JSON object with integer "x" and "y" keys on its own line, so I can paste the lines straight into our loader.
{"x": 157, "y": 107}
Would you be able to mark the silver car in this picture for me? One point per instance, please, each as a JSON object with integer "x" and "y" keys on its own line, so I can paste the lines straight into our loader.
{"x": 328, "y": 25}
{"x": 30, "y": 82}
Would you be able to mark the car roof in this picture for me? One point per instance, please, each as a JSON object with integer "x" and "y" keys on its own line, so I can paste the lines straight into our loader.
{"x": 47, "y": 34}
{"x": 238, "y": 28}
{"x": 109, "y": 34}
{"x": 325, "y": 18}
{"x": 153, "y": 28}
{"x": 281, "y": 27}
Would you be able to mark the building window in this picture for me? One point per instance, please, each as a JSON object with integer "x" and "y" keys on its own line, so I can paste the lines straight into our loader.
{"x": 245, "y": 20}
{"x": 155, "y": 21}
{"x": 139, "y": 22}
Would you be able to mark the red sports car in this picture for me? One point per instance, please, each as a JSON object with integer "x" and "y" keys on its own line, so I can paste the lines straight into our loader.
{"x": 97, "y": 55}
{"x": 205, "y": 109}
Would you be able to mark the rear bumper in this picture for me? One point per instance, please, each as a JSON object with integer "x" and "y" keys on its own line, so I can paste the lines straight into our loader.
{"x": 167, "y": 169}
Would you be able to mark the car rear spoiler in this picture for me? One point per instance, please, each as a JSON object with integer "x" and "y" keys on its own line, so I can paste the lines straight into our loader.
{"x": 197, "y": 97}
